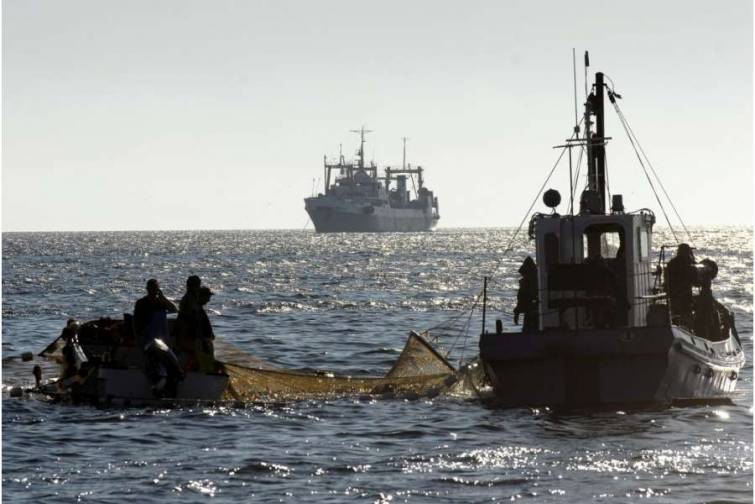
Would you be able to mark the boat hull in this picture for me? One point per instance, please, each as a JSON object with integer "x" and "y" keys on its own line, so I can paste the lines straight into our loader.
{"x": 562, "y": 368}
{"x": 335, "y": 217}
{"x": 131, "y": 387}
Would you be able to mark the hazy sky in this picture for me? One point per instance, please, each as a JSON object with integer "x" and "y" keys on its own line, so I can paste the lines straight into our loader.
{"x": 216, "y": 114}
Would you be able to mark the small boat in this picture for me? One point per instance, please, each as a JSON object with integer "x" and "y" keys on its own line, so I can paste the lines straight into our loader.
{"x": 592, "y": 345}
{"x": 114, "y": 370}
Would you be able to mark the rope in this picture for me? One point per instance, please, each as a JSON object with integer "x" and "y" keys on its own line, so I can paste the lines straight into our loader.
{"x": 639, "y": 158}
{"x": 465, "y": 331}
{"x": 532, "y": 205}
{"x": 681, "y": 221}
{"x": 506, "y": 250}
{"x": 608, "y": 184}
{"x": 576, "y": 176}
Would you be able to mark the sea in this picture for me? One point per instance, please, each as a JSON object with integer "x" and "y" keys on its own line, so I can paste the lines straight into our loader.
{"x": 344, "y": 303}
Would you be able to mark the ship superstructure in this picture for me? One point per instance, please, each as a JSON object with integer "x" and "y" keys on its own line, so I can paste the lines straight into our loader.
{"x": 362, "y": 200}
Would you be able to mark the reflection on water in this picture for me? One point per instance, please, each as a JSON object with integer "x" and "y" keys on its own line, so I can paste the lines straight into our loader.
{"x": 346, "y": 303}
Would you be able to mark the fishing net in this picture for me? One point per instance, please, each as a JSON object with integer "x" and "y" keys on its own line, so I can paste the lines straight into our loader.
{"x": 419, "y": 371}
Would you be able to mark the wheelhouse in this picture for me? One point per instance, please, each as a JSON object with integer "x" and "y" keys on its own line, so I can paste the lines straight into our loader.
{"x": 594, "y": 271}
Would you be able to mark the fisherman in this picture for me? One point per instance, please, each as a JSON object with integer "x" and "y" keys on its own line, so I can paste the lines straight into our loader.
{"x": 204, "y": 346}
{"x": 526, "y": 297}
{"x": 681, "y": 275}
{"x": 186, "y": 322}
{"x": 74, "y": 368}
{"x": 150, "y": 321}
{"x": 707, "y": 317}
{"x": 190, "y": 301}
{"x": 69, "y": 365}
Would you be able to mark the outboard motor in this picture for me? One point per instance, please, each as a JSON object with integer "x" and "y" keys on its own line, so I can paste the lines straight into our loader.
{"x": 162, "y": 368}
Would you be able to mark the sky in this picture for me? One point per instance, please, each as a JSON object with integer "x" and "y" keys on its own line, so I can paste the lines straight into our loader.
{"x": 182, "y": 114}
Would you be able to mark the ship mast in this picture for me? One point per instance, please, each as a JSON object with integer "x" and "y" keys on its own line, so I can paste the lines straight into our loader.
{"x": 361, "y": 132}
{"x": 596, "y": 141}
{"x": 403, "y": 161}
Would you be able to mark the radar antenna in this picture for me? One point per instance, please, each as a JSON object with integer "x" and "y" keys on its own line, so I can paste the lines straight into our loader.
{"x": 361, "y": 132}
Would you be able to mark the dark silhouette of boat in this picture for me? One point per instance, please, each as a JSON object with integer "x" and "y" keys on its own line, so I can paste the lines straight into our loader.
{"x": 601, "y": 331}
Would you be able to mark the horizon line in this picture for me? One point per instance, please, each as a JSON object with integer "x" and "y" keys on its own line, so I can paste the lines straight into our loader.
{"x": 449, "y": 228}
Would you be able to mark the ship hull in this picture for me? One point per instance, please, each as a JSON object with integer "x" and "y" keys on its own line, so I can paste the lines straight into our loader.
{"x": 647, "y": 365}
{"x": 334, "y": 218}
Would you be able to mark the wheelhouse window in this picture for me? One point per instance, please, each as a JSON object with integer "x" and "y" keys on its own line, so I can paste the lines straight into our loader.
{"x": 604, "y": 240}
{"x": 642, "y": 243}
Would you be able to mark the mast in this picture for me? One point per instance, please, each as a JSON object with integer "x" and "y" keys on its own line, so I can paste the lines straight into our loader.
{"x": 596, "y": 150}
{"x": 361, "y": 132}
{"x": 326, "y": 177}
{"x": 403, "y": 162}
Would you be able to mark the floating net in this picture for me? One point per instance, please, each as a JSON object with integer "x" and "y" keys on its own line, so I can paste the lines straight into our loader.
{"x": 419, "y": 371}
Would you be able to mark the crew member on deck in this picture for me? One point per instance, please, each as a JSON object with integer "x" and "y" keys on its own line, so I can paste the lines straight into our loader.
{"x": 526, "y": 297}
{"x": 190, "y": 301}
{"x": 680, "y": 277}
{"x": 204, "y": 346}
{"x": 150, "y": 314}
{"x": 185, "y": 332}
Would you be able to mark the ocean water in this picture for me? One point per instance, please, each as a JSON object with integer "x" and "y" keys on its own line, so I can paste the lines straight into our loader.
{"x": 343, "y": 303}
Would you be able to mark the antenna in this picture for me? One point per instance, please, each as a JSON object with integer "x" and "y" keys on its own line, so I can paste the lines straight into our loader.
{"x": 361, "y": 132}
{"x": 587, "y": 65}
{"x": 403, "y": 163}
{"x": 574, "y": 72}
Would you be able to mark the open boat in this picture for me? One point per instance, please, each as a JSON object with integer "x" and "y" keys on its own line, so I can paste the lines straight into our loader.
{"x": 592, "y": 346}
{"x": 112, "y": 370}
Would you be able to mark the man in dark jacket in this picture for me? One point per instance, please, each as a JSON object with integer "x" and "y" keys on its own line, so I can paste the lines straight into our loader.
{"x": 526, "y": 297}
{"x": 150, "y": 312}
{"x": 186, "y": 323}
{"x": 205, "y": 348}
{"x": 681, "y": 275}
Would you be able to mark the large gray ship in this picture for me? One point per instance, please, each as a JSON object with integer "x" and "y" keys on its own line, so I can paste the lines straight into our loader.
{"x": 359, "y": 200}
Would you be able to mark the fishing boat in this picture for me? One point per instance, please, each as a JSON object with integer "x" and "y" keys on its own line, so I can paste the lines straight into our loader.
{"x": 603, "y": 331}
{"x": 115, "y": 370}
{"x": 112, "y": 370}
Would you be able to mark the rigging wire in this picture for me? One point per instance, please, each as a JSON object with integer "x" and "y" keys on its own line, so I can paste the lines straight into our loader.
{"x": 676, "y": 212}
{"x": 579, "y": 168}
{"x": 532, "y": 205}
{"x": 647, "y": 175}
{"x": 506, "y": 250}
{"x": 608, "y": 185}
